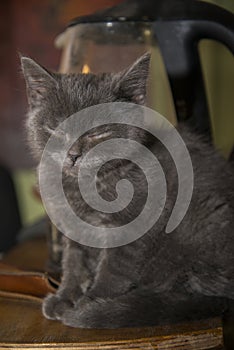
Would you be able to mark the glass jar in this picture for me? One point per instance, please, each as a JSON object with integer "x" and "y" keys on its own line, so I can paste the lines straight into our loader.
{"x": 111, "y": 46}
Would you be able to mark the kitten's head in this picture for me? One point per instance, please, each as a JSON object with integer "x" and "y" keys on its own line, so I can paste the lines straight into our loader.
{"x": 53, "y": 97}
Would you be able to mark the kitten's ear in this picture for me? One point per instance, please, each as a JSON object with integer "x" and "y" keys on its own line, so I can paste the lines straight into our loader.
{"x": 38, "y": 81}
{"x": 133, "y": 81}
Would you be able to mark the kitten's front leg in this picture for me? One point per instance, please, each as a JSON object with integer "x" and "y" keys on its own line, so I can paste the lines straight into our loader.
{"x": 75, "y": 279}
{"x": 108, "y": 300}
{"x": 116, "y": 273}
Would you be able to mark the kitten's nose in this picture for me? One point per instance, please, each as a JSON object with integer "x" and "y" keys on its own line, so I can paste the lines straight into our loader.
{"x": 73, "y": 157}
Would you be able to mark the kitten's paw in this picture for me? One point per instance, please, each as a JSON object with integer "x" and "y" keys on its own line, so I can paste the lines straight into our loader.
{"x": 54, "y": 306}
{"x": 96, "y": 313}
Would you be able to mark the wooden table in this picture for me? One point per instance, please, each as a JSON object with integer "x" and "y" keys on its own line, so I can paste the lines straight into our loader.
{"x": 22, "y": 325}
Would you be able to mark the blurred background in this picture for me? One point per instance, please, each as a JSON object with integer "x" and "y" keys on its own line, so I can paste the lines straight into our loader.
{"x": 30, "y": 27}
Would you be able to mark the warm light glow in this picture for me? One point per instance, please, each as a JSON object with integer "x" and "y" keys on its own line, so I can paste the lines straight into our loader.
{"x": 85, "y": 69}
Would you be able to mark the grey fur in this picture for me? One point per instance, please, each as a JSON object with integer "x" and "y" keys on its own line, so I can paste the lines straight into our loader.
{"x": 158, "y": 278}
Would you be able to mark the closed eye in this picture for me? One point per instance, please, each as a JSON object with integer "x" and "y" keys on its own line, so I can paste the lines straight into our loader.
{"x": 99, "y": 136}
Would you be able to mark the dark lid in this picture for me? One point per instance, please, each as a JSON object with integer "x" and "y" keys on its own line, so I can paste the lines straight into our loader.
{"x": 151, "y": 10}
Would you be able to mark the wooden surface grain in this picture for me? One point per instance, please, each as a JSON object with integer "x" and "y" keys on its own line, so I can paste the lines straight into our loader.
{"x": 24, "y": 327}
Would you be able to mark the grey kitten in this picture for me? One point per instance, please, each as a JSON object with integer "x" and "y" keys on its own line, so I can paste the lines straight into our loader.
{"x": 158, "y": 278}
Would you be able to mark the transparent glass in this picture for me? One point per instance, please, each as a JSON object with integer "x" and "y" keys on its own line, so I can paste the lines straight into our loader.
{"x": 112, "y": 47}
